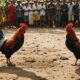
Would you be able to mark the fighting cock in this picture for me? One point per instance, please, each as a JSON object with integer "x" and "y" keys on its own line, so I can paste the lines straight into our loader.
{"x": 14, "y": 43}
{"x": 72, "y": 41}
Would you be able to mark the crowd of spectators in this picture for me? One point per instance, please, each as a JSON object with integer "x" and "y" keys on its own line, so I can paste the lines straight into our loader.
{"x": 48, "y": 13}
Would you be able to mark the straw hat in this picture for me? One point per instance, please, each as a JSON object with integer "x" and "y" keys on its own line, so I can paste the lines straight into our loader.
{"x": 26, "y": 1}
{"x": 18, "y": 1}
{"x": 23, "y": 2}
{"x": 30, "y": 1}
{"x": 41, "y": 1}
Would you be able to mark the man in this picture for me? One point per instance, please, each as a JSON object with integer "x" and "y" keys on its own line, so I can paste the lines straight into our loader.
{"x": 11, "y": 14}
{"x": 70, "y": 13}
{"x": 64, "y": 17}
{"x": 46, "y": 12}
{"x": 6, "y": 9}
{"x": 51, "y": 13}
{"x": 31, "y": 13}
{"x": 26, "y": 12}
{"x": 75, "y": 10}
{"x": 42, "y": 13}
{"x": 36, "y": 16}
{"x": 58, "y": 13}
{"x": 19, "y": 13}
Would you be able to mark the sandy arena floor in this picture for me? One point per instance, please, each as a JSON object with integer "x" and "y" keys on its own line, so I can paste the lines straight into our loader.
{"x": 43, "y": 56}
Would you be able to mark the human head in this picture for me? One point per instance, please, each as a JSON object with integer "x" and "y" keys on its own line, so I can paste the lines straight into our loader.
{"x": 18, "y": 2}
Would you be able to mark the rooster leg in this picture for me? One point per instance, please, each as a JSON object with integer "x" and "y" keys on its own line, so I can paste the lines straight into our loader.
{"x": 76, "y": 62}
{"x": 9, "y": 62}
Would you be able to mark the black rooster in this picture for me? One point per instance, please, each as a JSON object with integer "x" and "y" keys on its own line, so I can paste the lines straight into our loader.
{"x": 72, "y": 42}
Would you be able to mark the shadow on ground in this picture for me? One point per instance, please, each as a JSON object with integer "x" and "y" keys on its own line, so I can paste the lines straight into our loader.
{"x": 21, "y": 73}
{"x": 77, "y": 71}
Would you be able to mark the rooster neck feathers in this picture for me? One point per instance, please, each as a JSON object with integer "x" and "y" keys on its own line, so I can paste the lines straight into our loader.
{"x": 72, "y": 35}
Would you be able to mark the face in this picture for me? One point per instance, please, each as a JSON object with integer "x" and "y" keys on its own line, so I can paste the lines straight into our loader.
{"x": 42, "y": 3}
{"x": 35, "y": 2}
{"x": 70, "y": 1}
{"x": 64, "y": 1}
{"x": 7, "y": 3}
{"x": 58, "y": 2}
{"x": 18, "y": 2}
{"x": 26, "y": 4}
{"x": 76, "y": 1}
{"x": 51, "y": 1}
{"x": 31, "y": 4}
{"x": 12, "y": 2}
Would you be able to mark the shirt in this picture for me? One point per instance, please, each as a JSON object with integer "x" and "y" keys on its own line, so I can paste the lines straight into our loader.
{"x": 30, "y": 9}
{"x": 36, "y": 9}
{"x": 64, "y": 8}
{"x": 42, "y": 9}
{"x": 26, "y": 10}
{"x": 70, "y": 6}
{"x": 75, "y": 9}
{"x": 19, "y": 11}
{"x": 51, "y": 9}
{"x": 58, "y": 9}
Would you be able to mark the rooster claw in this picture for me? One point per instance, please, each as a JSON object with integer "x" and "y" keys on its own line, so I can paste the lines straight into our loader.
{"x": 10, "y": 64}
{"x": 74, "y": 64}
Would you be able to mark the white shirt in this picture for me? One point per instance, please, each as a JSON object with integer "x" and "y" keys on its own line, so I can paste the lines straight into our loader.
{"x": 36, "y": 8}
{"x": 70, "y": 6}
{"x": 26, "y": 13}
{"x": 30, "y": 9}
{"x": 42, "y": 10}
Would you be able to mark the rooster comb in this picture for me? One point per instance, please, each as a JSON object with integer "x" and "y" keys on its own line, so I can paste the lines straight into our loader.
{"x": 69, "y": 25}
{"x": 23, "y": 25}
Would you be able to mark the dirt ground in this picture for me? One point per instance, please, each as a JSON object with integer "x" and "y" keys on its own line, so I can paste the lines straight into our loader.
{"x": 43, "y": 56}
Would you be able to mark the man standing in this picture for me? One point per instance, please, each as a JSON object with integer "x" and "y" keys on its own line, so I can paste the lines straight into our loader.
{"x": 75, "y": 10}
{"x": 11, "y": 14}
{"x": 42, "y": 13}
{"x": 26, "y": 12}
{"x": 6, "y": 9}
{"x": 58, "y": 13}
{"x": 51, "y": 13}
{"x": 31, "y": 14}
{"x": 19, "y": 13}
{"x": 64, "y": 17}
{"x": 70, "y": 14}
{"x": 36, "y": 15}
{"x": 46, "y": 12}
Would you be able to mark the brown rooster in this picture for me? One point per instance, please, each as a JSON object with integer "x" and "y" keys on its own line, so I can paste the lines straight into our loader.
{"x": 72, "y": 41}
{"x": 14, "y": 43}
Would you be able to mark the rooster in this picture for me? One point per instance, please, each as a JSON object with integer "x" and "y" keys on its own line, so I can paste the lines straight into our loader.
{"x": 72, "y": 41}
{"x": 14, "y": 43}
